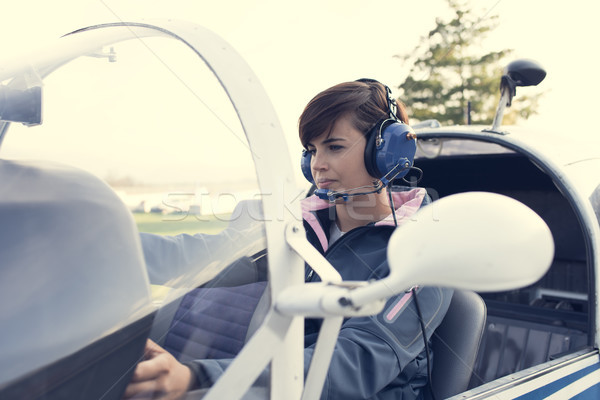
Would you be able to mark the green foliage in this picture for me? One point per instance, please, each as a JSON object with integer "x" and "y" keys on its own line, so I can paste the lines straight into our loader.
{"x": 174, "y": 224}
{"x": 449, "y": 70}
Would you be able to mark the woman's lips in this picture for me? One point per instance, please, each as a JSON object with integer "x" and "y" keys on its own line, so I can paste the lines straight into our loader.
{"x": 324, "y": 183}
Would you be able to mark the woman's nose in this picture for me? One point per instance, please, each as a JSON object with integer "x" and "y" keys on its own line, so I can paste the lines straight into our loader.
{"x": 319, "y": 162}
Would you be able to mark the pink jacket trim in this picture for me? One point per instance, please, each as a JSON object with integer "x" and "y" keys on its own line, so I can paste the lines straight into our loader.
{"x": 391, "y": 314}
{"x": 406, "y": 203}
{"x": 313, "y": 203}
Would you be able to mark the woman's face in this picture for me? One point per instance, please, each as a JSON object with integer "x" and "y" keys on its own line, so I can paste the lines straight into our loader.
{"x": 337, "y": 161}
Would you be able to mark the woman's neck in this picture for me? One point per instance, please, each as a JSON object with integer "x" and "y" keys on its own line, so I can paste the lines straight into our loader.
{"x": 361, "y": 210}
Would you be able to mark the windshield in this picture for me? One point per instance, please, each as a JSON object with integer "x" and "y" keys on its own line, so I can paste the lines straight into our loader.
{"x": 149, "y": 120}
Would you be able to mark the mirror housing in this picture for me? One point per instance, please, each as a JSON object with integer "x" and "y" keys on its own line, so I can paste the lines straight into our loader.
{"x": 476, "y": 241}
{"x": 517, "y": 73}
{"x": 525, "y": 72}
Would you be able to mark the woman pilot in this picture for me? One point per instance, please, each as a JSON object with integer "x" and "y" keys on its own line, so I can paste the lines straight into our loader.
{"x": 350, "y": 132}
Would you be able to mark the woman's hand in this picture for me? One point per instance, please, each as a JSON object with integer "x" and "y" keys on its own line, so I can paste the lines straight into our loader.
{"x": 159, "y": 376}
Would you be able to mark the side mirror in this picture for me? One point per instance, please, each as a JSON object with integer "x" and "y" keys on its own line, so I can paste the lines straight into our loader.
{"x": 517, "y": 73}
{"x": 525, "y": 72}
{"x": 476, "y": 241}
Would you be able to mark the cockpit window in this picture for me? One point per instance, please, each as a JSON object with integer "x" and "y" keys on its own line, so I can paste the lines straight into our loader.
{"x": 435, "y": 147}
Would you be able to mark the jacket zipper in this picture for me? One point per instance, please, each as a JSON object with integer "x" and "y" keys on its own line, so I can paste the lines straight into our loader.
{"x": 335, "y": 244}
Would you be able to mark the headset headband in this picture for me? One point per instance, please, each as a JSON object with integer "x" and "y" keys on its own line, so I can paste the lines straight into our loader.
{"x": 391, "y": 102}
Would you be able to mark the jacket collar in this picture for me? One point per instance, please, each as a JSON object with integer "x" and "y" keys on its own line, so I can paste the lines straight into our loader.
{"x": 406, "y": 204}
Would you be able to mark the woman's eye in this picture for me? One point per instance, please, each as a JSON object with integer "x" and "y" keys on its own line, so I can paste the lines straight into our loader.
{"x": 311, "y": 151}
{"x": 335, "y": 147}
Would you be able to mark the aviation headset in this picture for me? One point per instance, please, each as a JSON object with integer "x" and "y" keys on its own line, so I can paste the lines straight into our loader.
{"x": 390, "y": 149}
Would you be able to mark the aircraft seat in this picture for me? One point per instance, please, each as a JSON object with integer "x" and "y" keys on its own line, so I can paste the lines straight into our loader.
{"x": 456, "y": 343}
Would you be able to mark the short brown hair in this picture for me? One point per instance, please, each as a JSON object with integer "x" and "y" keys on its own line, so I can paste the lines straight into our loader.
{"x": 365, "y": 102}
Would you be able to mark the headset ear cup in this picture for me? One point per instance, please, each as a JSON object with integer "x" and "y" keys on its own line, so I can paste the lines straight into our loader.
{"x": 305, "y": 166}
{"x": 398, "y": 149}
{"x": 370, "y": 153}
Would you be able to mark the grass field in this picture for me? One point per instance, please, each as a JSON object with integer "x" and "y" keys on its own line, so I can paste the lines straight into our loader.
{"x": 173, "y": 224}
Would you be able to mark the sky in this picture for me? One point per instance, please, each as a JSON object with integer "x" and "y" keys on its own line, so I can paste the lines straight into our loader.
{"x": 302, "y": 47}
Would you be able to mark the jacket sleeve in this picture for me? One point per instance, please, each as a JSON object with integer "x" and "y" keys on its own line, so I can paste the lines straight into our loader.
{"x": 372, "y": 354}
{"x": 384, "y": 352}
{"x": 198, "y": 257}
{"x": 169, "y": 257}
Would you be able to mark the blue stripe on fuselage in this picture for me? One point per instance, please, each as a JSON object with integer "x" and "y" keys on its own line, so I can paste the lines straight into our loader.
{"x": 555, "y": 386}
{"x": 589, "y": 393}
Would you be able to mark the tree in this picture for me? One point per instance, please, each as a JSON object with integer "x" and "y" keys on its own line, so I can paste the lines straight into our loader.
{"x": 448, "y": 72}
